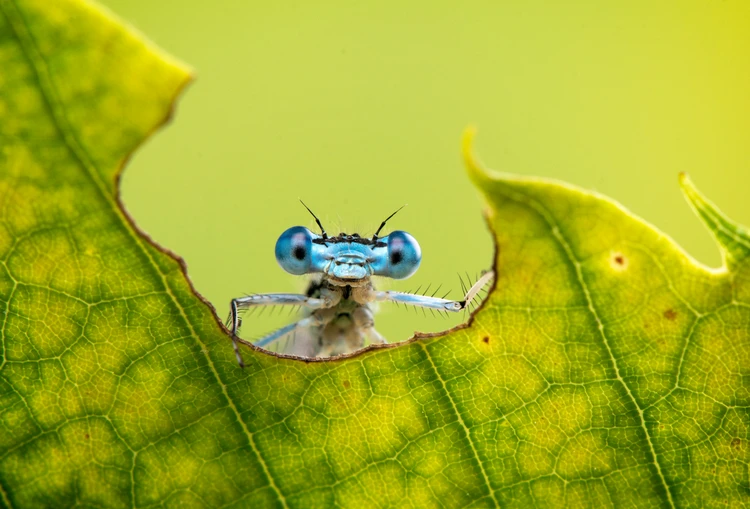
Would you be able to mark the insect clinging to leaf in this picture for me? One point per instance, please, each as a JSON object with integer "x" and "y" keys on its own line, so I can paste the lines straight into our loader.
{"x": 338, "y": 316}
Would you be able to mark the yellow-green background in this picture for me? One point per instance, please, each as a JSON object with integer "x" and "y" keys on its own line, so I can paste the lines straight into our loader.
{"x": 357, "y": 107}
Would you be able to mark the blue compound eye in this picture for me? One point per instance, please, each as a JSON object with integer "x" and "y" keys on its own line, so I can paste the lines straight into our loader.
{"x": 294, "y": 250}
{"x": 404, "y": 255}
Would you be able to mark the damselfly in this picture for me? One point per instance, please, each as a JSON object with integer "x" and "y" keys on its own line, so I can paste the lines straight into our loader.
{"x": 338, "y": 317}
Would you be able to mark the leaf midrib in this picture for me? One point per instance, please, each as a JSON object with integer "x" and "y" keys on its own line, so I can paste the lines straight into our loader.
{"x": 560, "y": 239}
{"x": 36, "y": 61}
{"x": 461, "y": 421}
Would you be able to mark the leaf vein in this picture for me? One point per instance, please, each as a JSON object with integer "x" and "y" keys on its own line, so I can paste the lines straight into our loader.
{"x": 4, "y": 497}
{"x": 557, "y": 234}
{"x": 39, "y": 66}
{"x": 461, "y": 422}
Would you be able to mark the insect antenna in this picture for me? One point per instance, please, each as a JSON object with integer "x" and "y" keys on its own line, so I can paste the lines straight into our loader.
{"x": 375, "y": 237}
{"x": 322, "y": 230}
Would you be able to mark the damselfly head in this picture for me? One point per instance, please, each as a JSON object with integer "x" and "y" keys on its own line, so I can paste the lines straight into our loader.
{"x": 348, "y": 258}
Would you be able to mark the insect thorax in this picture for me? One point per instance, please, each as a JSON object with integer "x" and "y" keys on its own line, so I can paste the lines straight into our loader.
{"x": 353, "y": 293}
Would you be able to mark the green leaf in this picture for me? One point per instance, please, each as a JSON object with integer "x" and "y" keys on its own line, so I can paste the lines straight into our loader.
{"x": 606, "y": 367}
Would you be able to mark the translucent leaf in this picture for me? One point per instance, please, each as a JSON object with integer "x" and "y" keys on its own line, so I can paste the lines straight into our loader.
{"x": 605, "y": 368}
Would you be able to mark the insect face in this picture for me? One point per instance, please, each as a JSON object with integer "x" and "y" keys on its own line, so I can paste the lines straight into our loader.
{"x": 348, "y": 258}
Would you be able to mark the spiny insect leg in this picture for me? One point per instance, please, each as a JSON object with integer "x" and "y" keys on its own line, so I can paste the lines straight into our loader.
{"x": 269, "y": 299}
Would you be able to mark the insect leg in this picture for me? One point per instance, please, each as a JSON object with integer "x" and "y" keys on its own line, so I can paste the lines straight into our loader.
{"x": 363, "y": 319}
{"x": 272, "y": 299}
{"x": 436, "y": 303}
{"x": 309, "y": 321}
{"x": 477, "y": 287}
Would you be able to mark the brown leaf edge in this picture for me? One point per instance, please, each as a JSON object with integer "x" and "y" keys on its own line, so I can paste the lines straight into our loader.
{"x": 168, "y": 118}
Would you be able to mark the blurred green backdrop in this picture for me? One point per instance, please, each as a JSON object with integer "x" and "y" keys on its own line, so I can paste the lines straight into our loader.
{"x": 357, "y": 108}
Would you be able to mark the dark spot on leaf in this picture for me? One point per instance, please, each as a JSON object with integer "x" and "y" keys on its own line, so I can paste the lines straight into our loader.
{"x": 736, "y": 443}
{"x": 486, "y": 339}
{"x": 661, "y": 426}
{"x": 86, "y": 436}
{"x": 618, "y": 261}
{"x": 670, "y": 314}
{"x": 347, "y": 384}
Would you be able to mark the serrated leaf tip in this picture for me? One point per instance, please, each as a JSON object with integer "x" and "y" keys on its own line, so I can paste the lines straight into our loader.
{"x": 733, "y": 238}
{"x": 474, "y": 167}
